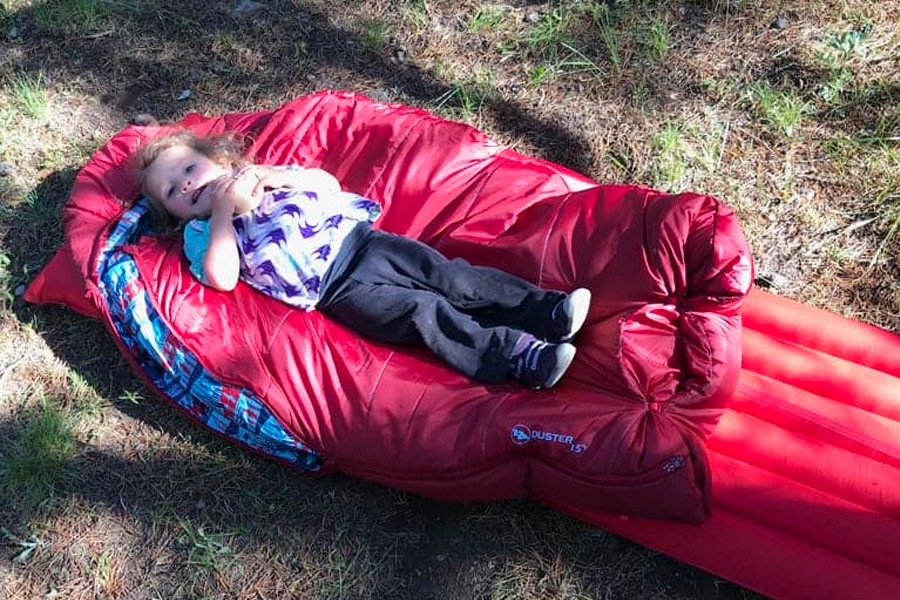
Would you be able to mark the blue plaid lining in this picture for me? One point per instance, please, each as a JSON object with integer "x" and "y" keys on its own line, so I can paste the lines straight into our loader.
{"x": 231, "y": 411}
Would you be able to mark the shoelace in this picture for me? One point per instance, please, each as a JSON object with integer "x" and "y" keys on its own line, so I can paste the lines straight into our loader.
{"x": 529, "y": 358}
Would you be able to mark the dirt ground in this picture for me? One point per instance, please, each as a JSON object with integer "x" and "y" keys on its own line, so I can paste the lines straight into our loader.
{"x": 787, "y": 110}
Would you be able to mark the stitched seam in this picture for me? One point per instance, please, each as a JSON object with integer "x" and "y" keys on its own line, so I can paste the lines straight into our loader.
{"x": 390, "y": 158}
{"x": 556, "y": 217}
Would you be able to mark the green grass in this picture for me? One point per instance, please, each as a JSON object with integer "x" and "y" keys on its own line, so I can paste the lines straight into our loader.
{"x": 538, "y": 75}
{"x": 72, "y": 17}
{"x": 416, "y": 13}
{"x": 102, "y": 570}
{"x": 883, "y": 171}
{"x": 546, "y": 37}
{"x": 27, "y": 91}
{"x": 348, "y": 569}
{"x": 671, "y": 162}
{"x": 84, "y": 398}
{"x": 572, "y": 62}
{"x": 467, "y": 97}
{"x": 549, "y": 42}
{"x": 781, "y": 109}
{"x": 654, "y": 38}
{"x": 207, "y": 551}
{"x": 488, "y": 18}
{"x": 70, "y": 153}
{"x": 33, "y": 464}
{"x": 7, "y": 284}
{"x": 688, "y": 152}
{"x": 606, "y": 22}
{"x": 374, "y": 34}
{"x": 575, "y": 61}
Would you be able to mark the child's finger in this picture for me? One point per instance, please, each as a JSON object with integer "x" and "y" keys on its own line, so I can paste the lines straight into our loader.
{"x": 260, "y": 187}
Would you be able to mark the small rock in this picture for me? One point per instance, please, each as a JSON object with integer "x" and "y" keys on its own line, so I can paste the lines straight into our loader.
{"x": 806, "y": 194}
{"x": 247, "y": 7}
{"x": 6, "y": 169}
{"x": 400, "y": 55}
{"x": 20, "y": 290}
{"x": 380, "y": 95}
{"x": 201, "y": 504}
{"x": 780, "y": 23}
{"x": 184, "y": 95}
{"x": 441, "y": 557}
{"x": 532, "y": 16}
{"x": 310, "y": 77}
{"x": 771, "y": 280}
{"x": 144, "y": 120}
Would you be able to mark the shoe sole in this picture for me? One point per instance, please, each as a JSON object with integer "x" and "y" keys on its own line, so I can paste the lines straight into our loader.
{"x": 564, "y": 357}
{"x": 579, "y": 317}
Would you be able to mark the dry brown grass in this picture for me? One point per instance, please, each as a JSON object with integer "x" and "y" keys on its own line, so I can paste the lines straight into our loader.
{"x": 673, "y": 93}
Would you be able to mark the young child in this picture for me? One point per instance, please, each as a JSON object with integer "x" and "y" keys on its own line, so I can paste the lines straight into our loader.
{"x": 293, "y": 234}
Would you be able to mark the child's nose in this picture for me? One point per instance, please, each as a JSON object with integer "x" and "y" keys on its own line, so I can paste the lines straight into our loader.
{"x": 186, "y": 186}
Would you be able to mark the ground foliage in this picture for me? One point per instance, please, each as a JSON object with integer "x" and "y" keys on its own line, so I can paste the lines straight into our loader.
{"x": 786, "y": 110}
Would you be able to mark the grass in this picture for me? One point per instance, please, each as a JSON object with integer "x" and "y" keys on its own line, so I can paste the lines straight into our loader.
{"x": 206, "y": 551}
{"x": 109, "y": 493}
{"x": 347, "y": 569}
{"x": 883, "y": 177}
{"x": 672, "y": 162}
{"x": 27, "y": 91}
{"x": 7, "y": 283}
{"x": 374, "y": 34}
{"x": 605, "y": 21}
{"x": 536, "y": 576}
{"x": 105, "y": 573}
{"x": 547, "y": 36}
{"x": 465, "y": 98}
{"x": 71, "y": 17}
{"x": 488, "y": 18}
{"x": 655, "y": 39}
{"x": 781, "y": 109}
{"x": 416, "y": 13}
{"x": 33, "y": 465}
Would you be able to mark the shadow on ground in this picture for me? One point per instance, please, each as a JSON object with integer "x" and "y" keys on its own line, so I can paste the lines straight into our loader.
{"x": 237, "y": 62}
{"x": 398, "y": 546}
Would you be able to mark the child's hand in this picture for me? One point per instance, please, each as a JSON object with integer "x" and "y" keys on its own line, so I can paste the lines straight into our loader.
{"x": 234, "y": 194}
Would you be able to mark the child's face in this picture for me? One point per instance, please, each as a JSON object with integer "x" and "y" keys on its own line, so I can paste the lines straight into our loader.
{"x": 177, "y": 179}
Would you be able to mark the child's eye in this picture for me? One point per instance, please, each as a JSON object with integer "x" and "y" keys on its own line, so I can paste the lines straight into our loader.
{"x": 189, "y": 168}
{"x": 170, "y": 192}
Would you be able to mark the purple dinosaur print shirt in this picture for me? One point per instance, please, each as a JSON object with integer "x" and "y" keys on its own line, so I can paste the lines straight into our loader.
{"x": 288, "y": 242}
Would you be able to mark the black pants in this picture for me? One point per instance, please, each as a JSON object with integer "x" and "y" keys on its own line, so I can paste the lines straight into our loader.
{"x": 396, "y": 289}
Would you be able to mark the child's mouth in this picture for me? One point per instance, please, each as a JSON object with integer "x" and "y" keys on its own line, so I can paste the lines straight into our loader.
{"x": 196, "y": 195}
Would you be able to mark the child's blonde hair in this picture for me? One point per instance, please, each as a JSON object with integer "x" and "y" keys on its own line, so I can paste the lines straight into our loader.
{"x": 226, "y": 149}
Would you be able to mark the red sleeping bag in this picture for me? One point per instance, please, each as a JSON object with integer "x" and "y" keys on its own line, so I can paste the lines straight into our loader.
{"x": 622, "y": 433}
